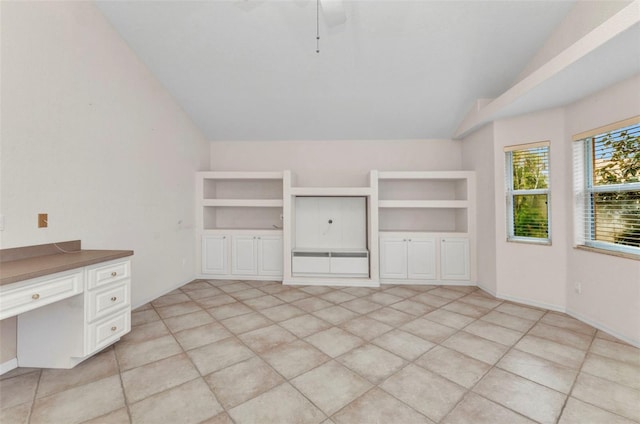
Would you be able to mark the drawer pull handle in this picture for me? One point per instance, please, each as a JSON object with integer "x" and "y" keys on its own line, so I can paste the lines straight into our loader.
{"x": 35, "y": 296}
{"x": 114, "y": 328}
{"x": 113, "y": 299}
{"x": 113, "y": 274}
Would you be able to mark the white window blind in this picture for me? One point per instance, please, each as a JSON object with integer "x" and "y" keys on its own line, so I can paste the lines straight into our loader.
{"x": 527, "y": 192}
{"x": 607, "y": 189}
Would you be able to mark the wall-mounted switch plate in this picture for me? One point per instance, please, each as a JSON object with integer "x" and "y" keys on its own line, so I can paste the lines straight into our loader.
{"x": 1, "y": 222}
{"x": 43, "y": 220}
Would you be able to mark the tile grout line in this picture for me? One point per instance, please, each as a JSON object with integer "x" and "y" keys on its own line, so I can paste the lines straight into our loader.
{"x": 586, "y": 356}
{"x": 124, "y": 393}
{"x": 575, "y": 380}
{"x": 188, "y": 357}
{"x": 366, "y": 341}
{"x": 493, "y": 366}
{"x": 33, "y": 400}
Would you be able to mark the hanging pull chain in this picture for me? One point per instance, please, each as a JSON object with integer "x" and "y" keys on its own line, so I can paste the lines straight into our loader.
{"x": 317, "y": 26}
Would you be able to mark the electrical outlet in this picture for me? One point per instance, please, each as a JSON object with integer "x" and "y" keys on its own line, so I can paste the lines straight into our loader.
{"x": 578, "y": 288}
{"x": 1, "y": 222}
{"x": 43, "y": 220}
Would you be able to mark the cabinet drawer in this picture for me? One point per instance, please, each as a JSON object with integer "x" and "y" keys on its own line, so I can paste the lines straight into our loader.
{"x": 347, "y": 265}
{"x": 101, "y": 275}
{"x": 311, "y": 265}
{"x": 106, "y": 331}
{"x": 38, "y": 292}
{"x": 101, "y": 303}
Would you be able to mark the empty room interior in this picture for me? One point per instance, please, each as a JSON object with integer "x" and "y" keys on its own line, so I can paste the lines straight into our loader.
{"x": 320, "y": 211}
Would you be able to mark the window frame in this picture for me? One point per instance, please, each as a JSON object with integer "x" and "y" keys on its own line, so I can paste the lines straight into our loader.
{"x": 510, "y": 193}
{"x": 585, "y": 189}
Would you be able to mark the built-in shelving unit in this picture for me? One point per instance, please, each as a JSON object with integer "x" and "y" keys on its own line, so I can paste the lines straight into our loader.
{"x": 239, "y": 224}
{"x": 426, "y": 226}
{"x": 404, "y": 227}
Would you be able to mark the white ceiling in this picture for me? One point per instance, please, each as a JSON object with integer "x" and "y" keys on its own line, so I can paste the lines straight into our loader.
{"x": 248, "y": 70}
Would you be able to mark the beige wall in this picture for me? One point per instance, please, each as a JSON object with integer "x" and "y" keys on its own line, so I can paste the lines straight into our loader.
{"x": 610, "y": 286}
{"x": 532, "y": 272}
{"x": 546, "y": 275}
{"x": 336, "y": 163}
{"x": 91, "y": 137}
{"x": 477, "y": 155}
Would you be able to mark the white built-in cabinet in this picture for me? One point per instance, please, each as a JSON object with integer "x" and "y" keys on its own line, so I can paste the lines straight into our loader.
{"x": 423, "y": 259}
{"x": 416, "y": 227}
{"x": 239, "y": 224}
{"x": 454, "y": 258}
{"x": 241, "y": 254}
{"x": 66, "y": 317}
{"x": 256, "y": 255}
{"x": 215, "y": 254}
{"x": 426, "y": 226}
{"x": 408, "y": 258}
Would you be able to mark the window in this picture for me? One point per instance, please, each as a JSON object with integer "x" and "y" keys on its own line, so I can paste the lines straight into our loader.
{"x": 607, "y": 187}
{"x": 527, "y": 186}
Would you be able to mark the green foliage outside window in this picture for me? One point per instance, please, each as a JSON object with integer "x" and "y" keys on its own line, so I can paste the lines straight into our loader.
{"x": 617, "y": 213}
{"x": 530, "y": 169}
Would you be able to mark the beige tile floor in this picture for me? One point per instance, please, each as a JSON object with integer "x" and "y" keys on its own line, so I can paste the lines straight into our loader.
{"x": 259, "y": 352}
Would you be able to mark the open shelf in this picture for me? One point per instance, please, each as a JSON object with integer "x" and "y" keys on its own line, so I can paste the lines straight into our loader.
{"x": 331, "y": 191}
{"x": 241, "y": 189}
{"x": 241, "y": 217}
{"x": 423, "y": 219}
{"x": 439, "y": 189}
{"x": 246, "y": 203}
{"x": 450, "y": 204}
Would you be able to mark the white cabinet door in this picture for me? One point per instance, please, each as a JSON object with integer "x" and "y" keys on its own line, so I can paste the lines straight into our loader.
{"x": 393, "y": 257}
{"x": 215, "y": 253}
{"x": 454, "y": 258}
{"x": 244, "y": 255}
{"x": 270, "y": 255}
{"x": 421, "y": 258}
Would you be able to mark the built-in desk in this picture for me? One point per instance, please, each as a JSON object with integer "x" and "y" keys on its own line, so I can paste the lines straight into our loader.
{"x": 70, "y": 303}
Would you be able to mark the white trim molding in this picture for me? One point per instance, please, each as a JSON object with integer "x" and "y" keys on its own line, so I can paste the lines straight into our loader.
{"x": 11, "y": 364}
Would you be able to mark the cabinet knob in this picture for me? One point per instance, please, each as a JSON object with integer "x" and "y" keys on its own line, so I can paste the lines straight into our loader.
{"x": 114, "y": 328}
{"x": 224, "y": 237}
{"x": 113, "y": 299}
{"x": 113, "y": 274}
{"x": 258, "y": 238}
{"x": 409, "y": 240}
{"x": 35, "y": 296}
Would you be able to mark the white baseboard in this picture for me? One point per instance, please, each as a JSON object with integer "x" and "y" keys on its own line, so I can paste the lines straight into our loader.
{"x": 150, "y": 299}
{"x": 535, "y": 304}
{"x": 239, "y": 277}
{"x": 8, "y": 366}
{"x": 337, "y": 282}
{"x": 428, "y": 282}
{"x": 487, "y": 290}
{"x": 574, "y": 314}
{"x": 602, "y": 327}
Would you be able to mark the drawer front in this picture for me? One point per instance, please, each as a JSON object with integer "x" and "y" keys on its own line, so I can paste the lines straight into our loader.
{"x": 101, "y": 303}
{"x": 39, "y": 292}
{"x": 103, "y": 274}
{"x": 358, "y": 266}
{"x": 311, "y": 265}
{"x": 106, "y": 331}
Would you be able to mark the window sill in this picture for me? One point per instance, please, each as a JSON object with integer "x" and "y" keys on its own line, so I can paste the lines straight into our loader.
{"x": 530, "y": 241}
{"x": 608, "y": 252}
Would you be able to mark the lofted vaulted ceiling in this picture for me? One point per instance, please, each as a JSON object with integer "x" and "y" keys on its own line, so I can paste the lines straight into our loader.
{"x": 248, "y": 69}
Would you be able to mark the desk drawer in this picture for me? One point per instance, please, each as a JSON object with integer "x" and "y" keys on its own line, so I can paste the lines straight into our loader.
{"x": 103, "y": 274}
{"x": 38, "y": 292}
{"x": 101, "y": 303}
{"x": 108, "y": 330}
